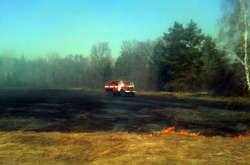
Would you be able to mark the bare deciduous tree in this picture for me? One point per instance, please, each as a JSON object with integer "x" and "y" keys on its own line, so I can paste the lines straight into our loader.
{"x": 101, "y": 61}
{"x": 234, "y": 31}
{"x": 133, "y": 63}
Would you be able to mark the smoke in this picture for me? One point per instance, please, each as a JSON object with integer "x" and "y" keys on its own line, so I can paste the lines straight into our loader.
{"x": 231, "y": 24}
{"x": 76, "y": 70}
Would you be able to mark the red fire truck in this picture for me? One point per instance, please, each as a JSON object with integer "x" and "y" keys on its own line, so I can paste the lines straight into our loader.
{"x": 120, "y": 88}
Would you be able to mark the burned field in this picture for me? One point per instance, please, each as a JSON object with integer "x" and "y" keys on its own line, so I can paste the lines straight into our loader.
{"x": 88, "y": 111}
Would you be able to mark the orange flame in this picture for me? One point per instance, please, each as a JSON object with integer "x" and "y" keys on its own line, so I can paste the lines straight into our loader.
{"x": 168, "y": 130}
{"x": 238, "y": 137}
{"x": 150, "y": 135}
{"x": 182, "y": 132}
{"x": 171, "y": 130}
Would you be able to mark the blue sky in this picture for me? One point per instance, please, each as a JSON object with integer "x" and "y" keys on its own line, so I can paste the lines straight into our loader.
{"x": 38, "y": 27}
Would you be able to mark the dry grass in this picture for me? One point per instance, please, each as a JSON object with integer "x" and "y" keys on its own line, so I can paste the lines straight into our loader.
{"x": 29, "y": 148}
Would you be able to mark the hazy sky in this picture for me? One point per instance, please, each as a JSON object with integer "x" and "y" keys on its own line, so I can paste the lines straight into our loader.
{"x": 39, "y": 27}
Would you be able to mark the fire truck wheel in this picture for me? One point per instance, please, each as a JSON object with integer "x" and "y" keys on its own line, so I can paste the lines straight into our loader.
{"x": 122, "y": 93}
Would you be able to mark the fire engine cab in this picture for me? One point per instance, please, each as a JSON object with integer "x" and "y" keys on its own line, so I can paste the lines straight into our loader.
{"x": 120, "y": 88}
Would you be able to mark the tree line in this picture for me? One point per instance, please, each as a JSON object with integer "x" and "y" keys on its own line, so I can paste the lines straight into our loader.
{"x": 182, "y": 59}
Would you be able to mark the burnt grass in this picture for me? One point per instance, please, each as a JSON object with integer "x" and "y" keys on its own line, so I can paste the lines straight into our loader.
{"x": 87, "y": 111}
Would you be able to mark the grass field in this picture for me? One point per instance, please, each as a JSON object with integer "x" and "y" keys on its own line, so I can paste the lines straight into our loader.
{"x": 30, "y": 148}
{"x": 61, "y": 127}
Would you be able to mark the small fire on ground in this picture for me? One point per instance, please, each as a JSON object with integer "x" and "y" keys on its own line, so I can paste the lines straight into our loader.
{"x": 171, "y": 130}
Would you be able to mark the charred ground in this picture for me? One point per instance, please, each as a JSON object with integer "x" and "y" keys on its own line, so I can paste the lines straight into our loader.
{"x": 89, "y": 111}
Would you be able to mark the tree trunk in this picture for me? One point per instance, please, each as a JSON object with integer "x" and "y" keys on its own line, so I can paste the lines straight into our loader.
{"x": 245, "y": 39}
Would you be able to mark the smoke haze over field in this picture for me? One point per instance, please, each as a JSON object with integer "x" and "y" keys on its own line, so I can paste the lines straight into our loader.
{"x": 36, "y": 28}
